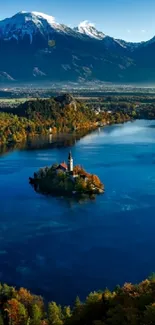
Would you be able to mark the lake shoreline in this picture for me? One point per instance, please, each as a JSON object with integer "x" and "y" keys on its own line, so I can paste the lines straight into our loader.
{"x": 59, "y": 138}
{"x": 67, "y": 139}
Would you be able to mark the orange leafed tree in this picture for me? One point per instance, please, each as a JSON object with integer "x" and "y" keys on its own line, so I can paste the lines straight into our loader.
{"x": 25, "y": 296}
{"x": 16, "y": 311}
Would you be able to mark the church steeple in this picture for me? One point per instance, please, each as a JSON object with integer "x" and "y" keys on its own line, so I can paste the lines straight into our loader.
{"x": 70, "y": 162}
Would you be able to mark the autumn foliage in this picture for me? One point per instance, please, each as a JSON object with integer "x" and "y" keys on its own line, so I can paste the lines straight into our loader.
{"x": 60, "y": 114}
{"x": 127, "y": 305}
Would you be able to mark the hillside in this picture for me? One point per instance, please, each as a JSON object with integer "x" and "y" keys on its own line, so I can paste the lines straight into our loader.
{"x": 62, "y": 112}
{"x": 54, "y": 115}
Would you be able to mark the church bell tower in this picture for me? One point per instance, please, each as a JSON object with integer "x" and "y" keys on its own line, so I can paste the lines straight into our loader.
{"x": 70, "y": 162}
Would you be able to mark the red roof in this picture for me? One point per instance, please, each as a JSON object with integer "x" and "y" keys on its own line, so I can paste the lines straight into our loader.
{"x": 63, "y": 165}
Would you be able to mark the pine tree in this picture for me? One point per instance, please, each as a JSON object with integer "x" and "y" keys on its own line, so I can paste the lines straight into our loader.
{"x": 77, "y": 302}
{"x": 78, "y": 306}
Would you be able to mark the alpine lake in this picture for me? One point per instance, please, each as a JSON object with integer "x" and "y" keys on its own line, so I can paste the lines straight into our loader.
{"x": 60, "y": 248}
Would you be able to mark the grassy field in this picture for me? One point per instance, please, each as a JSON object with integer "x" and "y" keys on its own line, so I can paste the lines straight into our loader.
{"x": 14, "y": 100}
{"x": 7, "y": 104}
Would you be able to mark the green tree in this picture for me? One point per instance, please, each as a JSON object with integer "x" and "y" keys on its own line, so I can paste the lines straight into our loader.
{"x": 77, "y": 302}
{"x": 54, "y": 314}
{"x": 67, "y": 312}
{"x": 36, "y": 315}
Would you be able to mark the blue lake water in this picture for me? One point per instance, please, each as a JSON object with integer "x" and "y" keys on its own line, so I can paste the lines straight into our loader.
{"x": 60, "y": 248}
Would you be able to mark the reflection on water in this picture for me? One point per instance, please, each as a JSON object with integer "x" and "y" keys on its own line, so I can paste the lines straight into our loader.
{"x": 62, "y": 248}
{"x": 46, "y": 142}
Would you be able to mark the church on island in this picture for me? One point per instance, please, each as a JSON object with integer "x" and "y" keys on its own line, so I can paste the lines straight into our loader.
{"x": 69, "y": 169}
{"x": 66, "y": 167}
{"x": 66, "y": 179}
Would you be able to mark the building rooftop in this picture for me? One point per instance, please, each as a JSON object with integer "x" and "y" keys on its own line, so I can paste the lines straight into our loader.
{"x": 63, "y": 165}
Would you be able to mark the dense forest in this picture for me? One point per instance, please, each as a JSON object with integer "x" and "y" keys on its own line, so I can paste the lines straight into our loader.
{"x": 127, "y": 305}
{"x": 60, "y": 114}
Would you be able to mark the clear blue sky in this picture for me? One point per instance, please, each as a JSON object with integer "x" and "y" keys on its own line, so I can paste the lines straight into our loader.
{"x": 131, "y": 20}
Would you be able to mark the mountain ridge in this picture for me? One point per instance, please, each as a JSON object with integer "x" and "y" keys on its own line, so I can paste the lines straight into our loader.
{"x": 34, "y": 45}
{"x": 84, "y": 27}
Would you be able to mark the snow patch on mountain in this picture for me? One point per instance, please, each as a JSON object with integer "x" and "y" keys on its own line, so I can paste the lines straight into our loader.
{"x": 89, "y": 29}
{"x": 129, "y": 45}
{"x": 38, "y": 73}
{"x": 4, "y": 76}
{"x": 50, "y": 19}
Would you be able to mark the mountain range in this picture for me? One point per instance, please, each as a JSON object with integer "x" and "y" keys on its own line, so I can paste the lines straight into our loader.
{"x": 33, "y": 46}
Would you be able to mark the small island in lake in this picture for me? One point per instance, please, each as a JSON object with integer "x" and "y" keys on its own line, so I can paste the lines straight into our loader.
{"x": 66, "y": 179}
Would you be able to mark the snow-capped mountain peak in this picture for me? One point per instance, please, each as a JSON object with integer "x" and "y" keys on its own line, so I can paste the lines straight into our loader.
{"x": 23, "y": 17}
{"x": 28, "y": 23}
{"x": 50, "y": 19}
{"x": 89, "y": 29}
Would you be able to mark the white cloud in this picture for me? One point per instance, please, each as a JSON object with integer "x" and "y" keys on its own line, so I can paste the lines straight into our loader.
{"x": 143, "y": 31}
{"x": 128, "y": 31}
